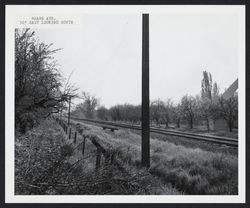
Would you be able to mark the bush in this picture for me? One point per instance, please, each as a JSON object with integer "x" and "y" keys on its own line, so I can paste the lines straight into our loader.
{"x": 66, "y": 150}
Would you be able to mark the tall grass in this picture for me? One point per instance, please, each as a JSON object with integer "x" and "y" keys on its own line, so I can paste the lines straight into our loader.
{"x": 47, "y": 162}
{"x": 190, "y": 170}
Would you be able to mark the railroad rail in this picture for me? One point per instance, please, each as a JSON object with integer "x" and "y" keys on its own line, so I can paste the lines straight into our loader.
{"x": 233, "y": 142}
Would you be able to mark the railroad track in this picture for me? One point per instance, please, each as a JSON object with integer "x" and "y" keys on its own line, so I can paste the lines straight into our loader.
{"x": 201, "y": 137}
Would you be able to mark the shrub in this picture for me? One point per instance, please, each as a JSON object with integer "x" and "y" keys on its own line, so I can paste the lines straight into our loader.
{"x": 66, "y": 150}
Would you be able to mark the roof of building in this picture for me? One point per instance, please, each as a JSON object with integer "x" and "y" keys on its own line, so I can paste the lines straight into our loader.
{"x": 231, "y": 90}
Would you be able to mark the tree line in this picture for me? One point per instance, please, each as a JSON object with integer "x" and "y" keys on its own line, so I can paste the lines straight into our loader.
{"x": 202, "y": 109}
{"x": 90, "y": 108}
{"x": 205, "y": 108}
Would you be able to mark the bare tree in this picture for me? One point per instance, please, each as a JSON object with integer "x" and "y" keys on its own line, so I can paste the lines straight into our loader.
{"x": 90, "y": 104}
{"x": 229, "y": 110}
{"x": 176, "y": 115}
{"x": 156, "y": 110}
{"x": 102, "y": 113}
{"x": 167, "y": 112}
{"x": 188, "y": 109}
{"x": 115, "y": 113}
{"x": 204, "y": 110}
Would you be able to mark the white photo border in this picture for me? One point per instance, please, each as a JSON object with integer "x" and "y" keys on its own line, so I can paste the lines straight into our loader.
{"x": 14, "y": 11}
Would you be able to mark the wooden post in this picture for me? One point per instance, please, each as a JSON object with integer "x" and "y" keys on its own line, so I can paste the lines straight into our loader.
{"x": 145, "y": 147}
{"x": 66, "y": 128}
{"x": 75, "y": 137}
{"x": 69, "y": 133}
{"x": 83, "y": 145}
{"x": 98, "y": 158}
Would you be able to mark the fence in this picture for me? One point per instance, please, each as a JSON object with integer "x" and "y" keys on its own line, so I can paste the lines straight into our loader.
{"x": 73, "y": 132}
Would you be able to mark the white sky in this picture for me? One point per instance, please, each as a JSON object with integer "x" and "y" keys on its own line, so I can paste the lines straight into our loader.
{"x": 105, "y": 54}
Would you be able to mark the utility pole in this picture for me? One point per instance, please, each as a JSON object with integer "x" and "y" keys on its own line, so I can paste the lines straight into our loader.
{"x": 69, "y": 111}
{"x": 145, "y": 147}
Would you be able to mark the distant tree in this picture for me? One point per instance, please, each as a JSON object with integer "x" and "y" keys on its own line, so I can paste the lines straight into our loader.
{"x": 156, "y": 110}
{"x": 204, "y": 110}
{"x": 188, "y": 109}
{"x": 216, "y": 90}
{"x": 207, "y": 104}
{"x": 229, "y": 110}
{"x": 102, "y": 113}
{"x": 115, "y": 113}
{"x": 89, "y": 105}
{"x": 130, "y": 113}
{"x": 206, "y": 85}
{"x": 135, "y": 115}
{"x": 79, "y": 111}
{"x": 214, "y": 105}
{"x": 176, "y": 115}
{"x": 126, "y": 112}
{"x": 167, "y": 112}
{"x": 215, "y": 112}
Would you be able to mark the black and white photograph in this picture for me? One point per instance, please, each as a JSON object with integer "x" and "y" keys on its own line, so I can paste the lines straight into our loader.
{"x": 126, "y": 102}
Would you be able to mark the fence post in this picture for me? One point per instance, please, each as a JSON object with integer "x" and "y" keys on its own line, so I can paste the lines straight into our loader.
{"x": 66, "y": 128}
{"x": 69, "y": 133}
{"x": 83, "y": 145}
{"x": 75, "y": 137}
{"x": 98, "y": 158}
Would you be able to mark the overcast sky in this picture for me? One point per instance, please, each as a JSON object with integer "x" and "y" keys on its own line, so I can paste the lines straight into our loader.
{"x": 105, "y": 54}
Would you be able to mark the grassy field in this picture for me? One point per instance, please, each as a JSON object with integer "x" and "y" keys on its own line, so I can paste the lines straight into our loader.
{"x": 191, "y": 170}
{"x": 47, "y": 162}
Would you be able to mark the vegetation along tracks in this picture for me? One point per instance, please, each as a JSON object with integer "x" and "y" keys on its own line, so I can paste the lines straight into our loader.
{"x": 232, "y": 142}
